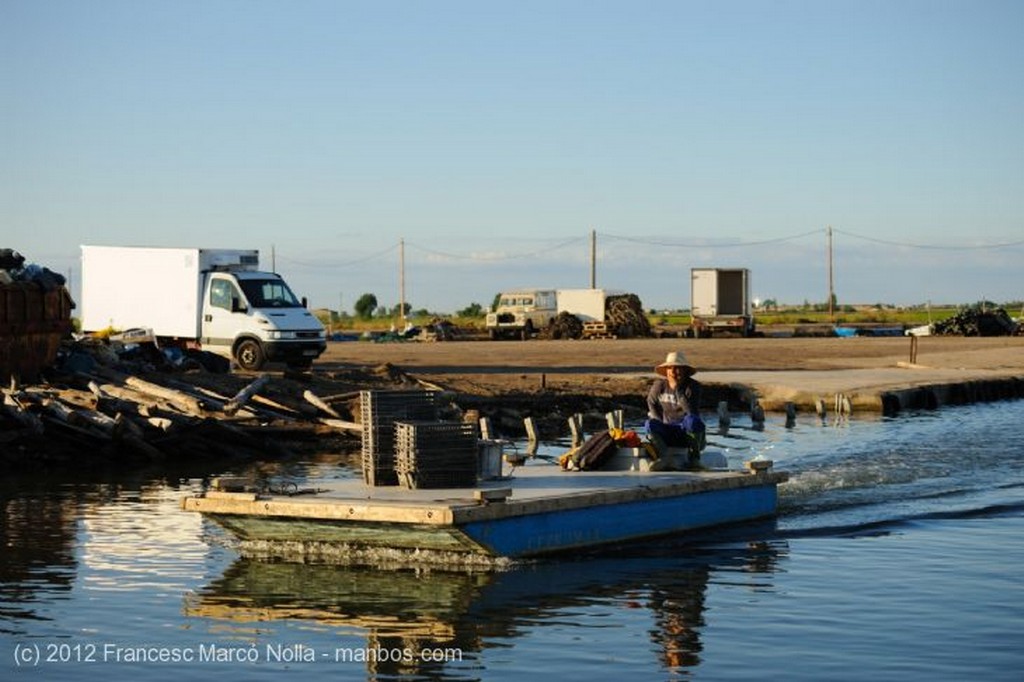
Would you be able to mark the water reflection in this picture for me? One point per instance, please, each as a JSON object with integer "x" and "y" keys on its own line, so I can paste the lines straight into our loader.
{"x": 36, "y": 533}
{"x": 413, "y": 611}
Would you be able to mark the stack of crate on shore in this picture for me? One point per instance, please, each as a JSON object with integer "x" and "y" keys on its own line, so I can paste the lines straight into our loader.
{"x": 404, "y": 442}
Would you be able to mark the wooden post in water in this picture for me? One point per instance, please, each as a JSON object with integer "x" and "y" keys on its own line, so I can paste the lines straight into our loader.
{"x": 756, "y": 411}
{"x": 790, "y": 415}
{"x": 724, "y": 420}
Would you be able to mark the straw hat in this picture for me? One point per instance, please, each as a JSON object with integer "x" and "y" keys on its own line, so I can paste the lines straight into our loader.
{"x": 675, "y": 359}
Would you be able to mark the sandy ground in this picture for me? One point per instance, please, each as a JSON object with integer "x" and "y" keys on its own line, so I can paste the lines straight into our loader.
{"x": 617, "y": 367}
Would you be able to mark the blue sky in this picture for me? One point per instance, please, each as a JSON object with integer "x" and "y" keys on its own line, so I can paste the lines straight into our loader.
{"x": 494, "y": 137}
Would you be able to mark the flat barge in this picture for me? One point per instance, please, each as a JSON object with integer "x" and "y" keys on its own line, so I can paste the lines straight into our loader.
{"x": 539, "y": 510}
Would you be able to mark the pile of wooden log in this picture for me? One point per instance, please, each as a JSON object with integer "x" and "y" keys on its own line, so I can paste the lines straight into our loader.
{"x": 105, "y": 414}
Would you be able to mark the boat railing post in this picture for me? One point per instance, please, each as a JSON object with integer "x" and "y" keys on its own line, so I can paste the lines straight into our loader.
{"x": 614, "y": 419}
{"x": 576, "y": 427}
{"x": 531, "y": 430}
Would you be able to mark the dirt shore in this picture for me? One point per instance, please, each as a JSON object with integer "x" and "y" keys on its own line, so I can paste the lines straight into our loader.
{"x": 614, "y": 367}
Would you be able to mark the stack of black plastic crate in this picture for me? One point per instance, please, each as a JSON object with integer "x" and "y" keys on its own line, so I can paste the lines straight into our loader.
{"x": 436, "y": 454}
{"x": 379, "y": 411}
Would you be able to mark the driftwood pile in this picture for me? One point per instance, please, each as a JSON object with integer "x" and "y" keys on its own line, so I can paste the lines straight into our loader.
{"x": 108, "y": 411}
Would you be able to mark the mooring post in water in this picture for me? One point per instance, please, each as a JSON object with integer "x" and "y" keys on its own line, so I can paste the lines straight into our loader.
{"x": 843, "y": 406}
{"x": 723, "y": 416}
{"x": 819, "y": 407}
{"x": 790, "y": 415}
{"x": 576, "y": 426}
{"x": 756, "y": 411}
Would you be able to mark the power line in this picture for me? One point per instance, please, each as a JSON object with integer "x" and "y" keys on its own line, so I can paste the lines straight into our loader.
{"x": 653, "y": 241}
{"x": 342, "y": 264}
{"x": 512, "y": 256}
{"x": 952, "y": 247}
{"x": 705, "y": 245}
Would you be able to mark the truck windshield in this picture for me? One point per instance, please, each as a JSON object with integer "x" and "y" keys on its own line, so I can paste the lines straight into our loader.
{"x": 269, "y": 293}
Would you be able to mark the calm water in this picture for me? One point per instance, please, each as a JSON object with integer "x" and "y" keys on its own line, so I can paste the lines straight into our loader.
{"x": 898, "y": 555}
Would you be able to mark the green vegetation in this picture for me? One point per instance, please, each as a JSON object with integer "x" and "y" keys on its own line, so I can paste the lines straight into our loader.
{"x": 369, "y": 317}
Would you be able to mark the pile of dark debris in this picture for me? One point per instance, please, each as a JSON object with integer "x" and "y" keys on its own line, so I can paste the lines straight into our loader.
{"x": 110, "y": 400}
{"x": 114, "y": 400}
{"x": 979, "y": 321}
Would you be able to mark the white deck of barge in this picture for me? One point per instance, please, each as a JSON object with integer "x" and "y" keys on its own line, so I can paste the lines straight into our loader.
{"x": 535, "y": 488}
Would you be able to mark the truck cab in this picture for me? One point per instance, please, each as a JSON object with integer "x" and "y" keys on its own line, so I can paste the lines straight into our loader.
{"x": 254, "y": 317}
{"x": 521, "y": 313}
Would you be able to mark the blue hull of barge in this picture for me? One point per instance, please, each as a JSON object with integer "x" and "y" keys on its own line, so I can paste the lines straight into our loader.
{"x": 562, "y": 530}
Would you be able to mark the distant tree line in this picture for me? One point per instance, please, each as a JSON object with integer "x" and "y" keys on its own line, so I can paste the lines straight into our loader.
{"x": 367, "y": 307}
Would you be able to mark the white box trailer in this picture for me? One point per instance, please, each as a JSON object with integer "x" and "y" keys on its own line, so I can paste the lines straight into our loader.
{"x": 720, "y": 301}
{"x": 588, "y": 305}
{"x": 217, "y": 298}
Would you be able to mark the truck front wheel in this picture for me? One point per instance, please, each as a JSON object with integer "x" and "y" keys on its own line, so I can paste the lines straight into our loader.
{"x": 249, "y": 355}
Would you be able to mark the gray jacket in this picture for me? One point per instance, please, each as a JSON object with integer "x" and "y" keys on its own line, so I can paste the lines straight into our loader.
{"x": 670, "y": 406}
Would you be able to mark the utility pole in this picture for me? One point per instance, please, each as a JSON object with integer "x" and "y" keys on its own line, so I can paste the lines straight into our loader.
{"x": 831, "y": 292}
{"x": 593, "y": 258}
{"x": 401, "y": 281}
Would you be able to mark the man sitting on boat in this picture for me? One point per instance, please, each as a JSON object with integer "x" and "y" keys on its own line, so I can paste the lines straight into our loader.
{"x": 673, "y": 404}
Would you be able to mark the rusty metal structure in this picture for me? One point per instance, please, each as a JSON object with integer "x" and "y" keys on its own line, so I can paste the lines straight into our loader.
{"x": 33, "y": 320}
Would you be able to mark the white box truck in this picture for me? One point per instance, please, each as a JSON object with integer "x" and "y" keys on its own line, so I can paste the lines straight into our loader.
{"x": 720, "y": 302}
{"x": 216, "y": 297}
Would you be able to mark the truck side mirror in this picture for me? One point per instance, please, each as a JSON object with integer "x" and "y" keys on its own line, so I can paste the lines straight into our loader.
{"x": 236, "y": 305}
{"x": 305, "y": 303}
